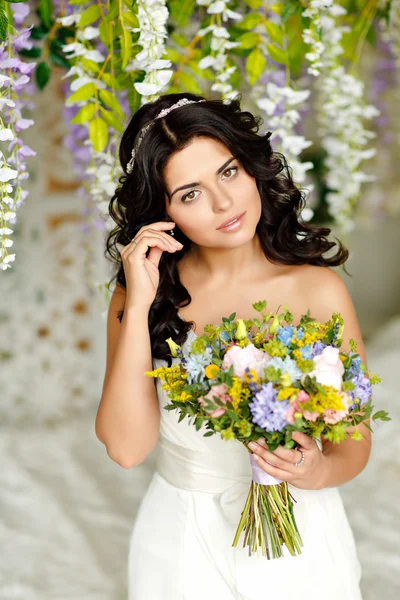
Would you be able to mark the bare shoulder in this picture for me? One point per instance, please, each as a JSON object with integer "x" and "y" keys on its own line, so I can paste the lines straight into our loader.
{"x": 324, "y": 292}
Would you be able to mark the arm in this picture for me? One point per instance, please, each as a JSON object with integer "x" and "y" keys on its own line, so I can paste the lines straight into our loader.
{"x": 346, "y": 460}
{"x": 128, "y": 416}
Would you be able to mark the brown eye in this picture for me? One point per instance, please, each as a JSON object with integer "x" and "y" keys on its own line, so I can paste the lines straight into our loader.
{"x": 231, "y": 169}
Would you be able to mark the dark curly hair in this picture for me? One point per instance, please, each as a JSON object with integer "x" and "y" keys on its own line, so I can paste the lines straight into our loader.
{"x": 140, "y": 200}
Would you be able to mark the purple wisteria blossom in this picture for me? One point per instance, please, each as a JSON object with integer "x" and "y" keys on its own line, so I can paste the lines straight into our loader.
{"x": 268, "y": 412}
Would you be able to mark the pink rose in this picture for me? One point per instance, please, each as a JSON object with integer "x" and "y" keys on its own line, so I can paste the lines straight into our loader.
{"x": 311, "y": 415}
{"x": 221, "y": 392}
{"x": 331, "y": 417}
{"x": 328, "y": 368}
{"x": 295, "y": 407}
{"x": 248, "y": 357}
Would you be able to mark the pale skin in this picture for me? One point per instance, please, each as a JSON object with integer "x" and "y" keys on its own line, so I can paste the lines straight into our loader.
{"x": 229, "y": 272}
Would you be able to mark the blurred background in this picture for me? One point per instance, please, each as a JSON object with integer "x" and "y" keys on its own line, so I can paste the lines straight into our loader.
{"x": 66, "y": 509}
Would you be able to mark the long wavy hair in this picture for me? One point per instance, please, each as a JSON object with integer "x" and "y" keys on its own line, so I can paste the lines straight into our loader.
{"x": 140, "y": 200}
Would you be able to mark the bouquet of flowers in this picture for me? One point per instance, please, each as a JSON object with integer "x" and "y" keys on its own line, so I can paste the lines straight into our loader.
{"x": 267, "y": 377}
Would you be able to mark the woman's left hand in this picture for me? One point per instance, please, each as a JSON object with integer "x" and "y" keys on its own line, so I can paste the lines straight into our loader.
{"x": 281, "y": 462}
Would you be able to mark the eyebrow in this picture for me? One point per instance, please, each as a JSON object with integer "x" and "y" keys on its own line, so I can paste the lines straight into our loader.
{"x": 189, "y": 185}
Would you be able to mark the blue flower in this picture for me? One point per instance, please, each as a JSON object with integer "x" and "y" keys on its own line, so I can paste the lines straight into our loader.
{"x": 288, "y": 365}
{"x": 268, "y": 412}
{"x": 300, "y": 334}
{"x": 285, "y": 334}
{"x": 307, "y": 352}
{"x": 195, "y": 364}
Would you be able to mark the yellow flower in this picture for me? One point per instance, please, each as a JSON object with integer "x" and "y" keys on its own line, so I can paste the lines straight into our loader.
{"x": 212, "y": 371}
{"x": 286, "y": 379}
{"x": 172, "y": 346}
{"x": 251, "y": 376}
{"x": 241, "y": 331}
{"x": 273, "y": 328}
{"x": 238, "y": 392}
{"x": 243, "y": 343}
{"x": 328, "y": 398}
{"x": 288, "y": 392}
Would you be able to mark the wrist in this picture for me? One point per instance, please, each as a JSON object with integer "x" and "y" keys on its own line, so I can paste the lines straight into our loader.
{"x": 325, "y": 471}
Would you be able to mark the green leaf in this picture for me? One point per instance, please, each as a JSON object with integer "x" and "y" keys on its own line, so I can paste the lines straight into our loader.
{"x": 111, "y": 101}
{"x": 255, "y": 65}
{"x": 181, "y": 10}
{"x": 90, "y": 65}
{"x": 83, "y": 93}
{"x": 45, "y": 10}
{"x": 278, "y": 55}
{"x": 249, "y": 40}
{"x": 274, "y": 32}
{"x": 179, "y": 40}
{"x": 254, "y": 4}
{"x": 16, "y": 1}
{"x": 189, "y": 83}
{"x": 113, "y": 12}
{"x": 209, "y": 433}
{"x": 91, "y": 14}
{"x": 42, "y": 74}
{"x": 98, "y": 134}
{"x": 112, "y": 120}
{"x": 130, "y": 19}
{"x": 59, "y": 60}
{"x": 3, "y": 24}
{"x": 33, "y": 52}
{"x": 291, "y": 8}
{"x": 126, "y": 47}
{"x": 173, "y": 55}
{"x": 250, "y": 21}
{"x": 85, "y": 114}
{"x": 38, "y": 32}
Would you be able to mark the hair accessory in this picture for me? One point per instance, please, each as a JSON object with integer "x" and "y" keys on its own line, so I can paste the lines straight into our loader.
{"x": 162, "y": 113}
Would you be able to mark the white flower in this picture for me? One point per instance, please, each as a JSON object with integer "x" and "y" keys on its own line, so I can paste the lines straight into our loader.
{"x": 6, "y": 135}
{"x": 6, "y": 174}
{"x": 69, "y": 20}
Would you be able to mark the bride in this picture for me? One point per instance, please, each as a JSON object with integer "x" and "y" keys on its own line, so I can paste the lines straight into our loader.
{"x": 209, "y": 219}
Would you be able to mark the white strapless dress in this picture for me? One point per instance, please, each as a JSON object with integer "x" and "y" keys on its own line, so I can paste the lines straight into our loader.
{"x": 181, "y": 543}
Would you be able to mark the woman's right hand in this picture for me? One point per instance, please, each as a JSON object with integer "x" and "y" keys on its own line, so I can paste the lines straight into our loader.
{"x": 141, "y": 273}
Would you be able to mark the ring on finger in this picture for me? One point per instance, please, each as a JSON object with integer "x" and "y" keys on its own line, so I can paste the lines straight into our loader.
{"x": 301, "y": 461}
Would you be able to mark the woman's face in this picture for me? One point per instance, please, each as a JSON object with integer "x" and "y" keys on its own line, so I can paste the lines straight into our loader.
{"x": 222, "y": 190}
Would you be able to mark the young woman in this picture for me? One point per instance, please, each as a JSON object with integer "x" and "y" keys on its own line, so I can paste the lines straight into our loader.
{"x": 201, "y": 171}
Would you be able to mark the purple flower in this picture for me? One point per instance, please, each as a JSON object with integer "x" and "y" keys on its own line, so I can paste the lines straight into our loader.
{"x": 268, "y": 412}
{"x": 318, "y": 348}
{"x": 363, "y": 389}
{"x": 20, "y": 12}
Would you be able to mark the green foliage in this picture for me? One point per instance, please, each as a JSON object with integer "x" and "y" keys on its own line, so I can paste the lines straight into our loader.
{"x": 42, "y": 74}
{"x": 3, "y": 24}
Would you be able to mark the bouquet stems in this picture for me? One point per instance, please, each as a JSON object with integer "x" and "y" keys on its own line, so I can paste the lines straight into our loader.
{"x": 268, "y": 521}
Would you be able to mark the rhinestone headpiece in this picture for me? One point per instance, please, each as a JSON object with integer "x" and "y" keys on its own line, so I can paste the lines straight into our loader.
{"x": 162, "y": 113}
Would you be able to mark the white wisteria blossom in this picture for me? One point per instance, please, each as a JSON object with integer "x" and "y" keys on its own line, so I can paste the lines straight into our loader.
{"x": 15, "y": 74}
{"x": 312, "y": 35}
{"x": 341, "y": 111}
{"x": 278, "y": 103}
{"x": 152, "y": 16}
{"x": 220, "y": 43}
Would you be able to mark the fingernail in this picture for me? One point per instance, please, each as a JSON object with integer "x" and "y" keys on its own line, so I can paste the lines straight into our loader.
{"x": 261, "y": 441}
{"x": 253, "y": 445}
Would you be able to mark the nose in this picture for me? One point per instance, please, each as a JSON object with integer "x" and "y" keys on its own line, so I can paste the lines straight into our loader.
{"x": 221, "y": 200}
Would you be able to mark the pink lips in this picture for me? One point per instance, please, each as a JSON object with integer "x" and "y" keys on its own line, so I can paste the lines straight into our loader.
{"x": 233, "y": 226}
